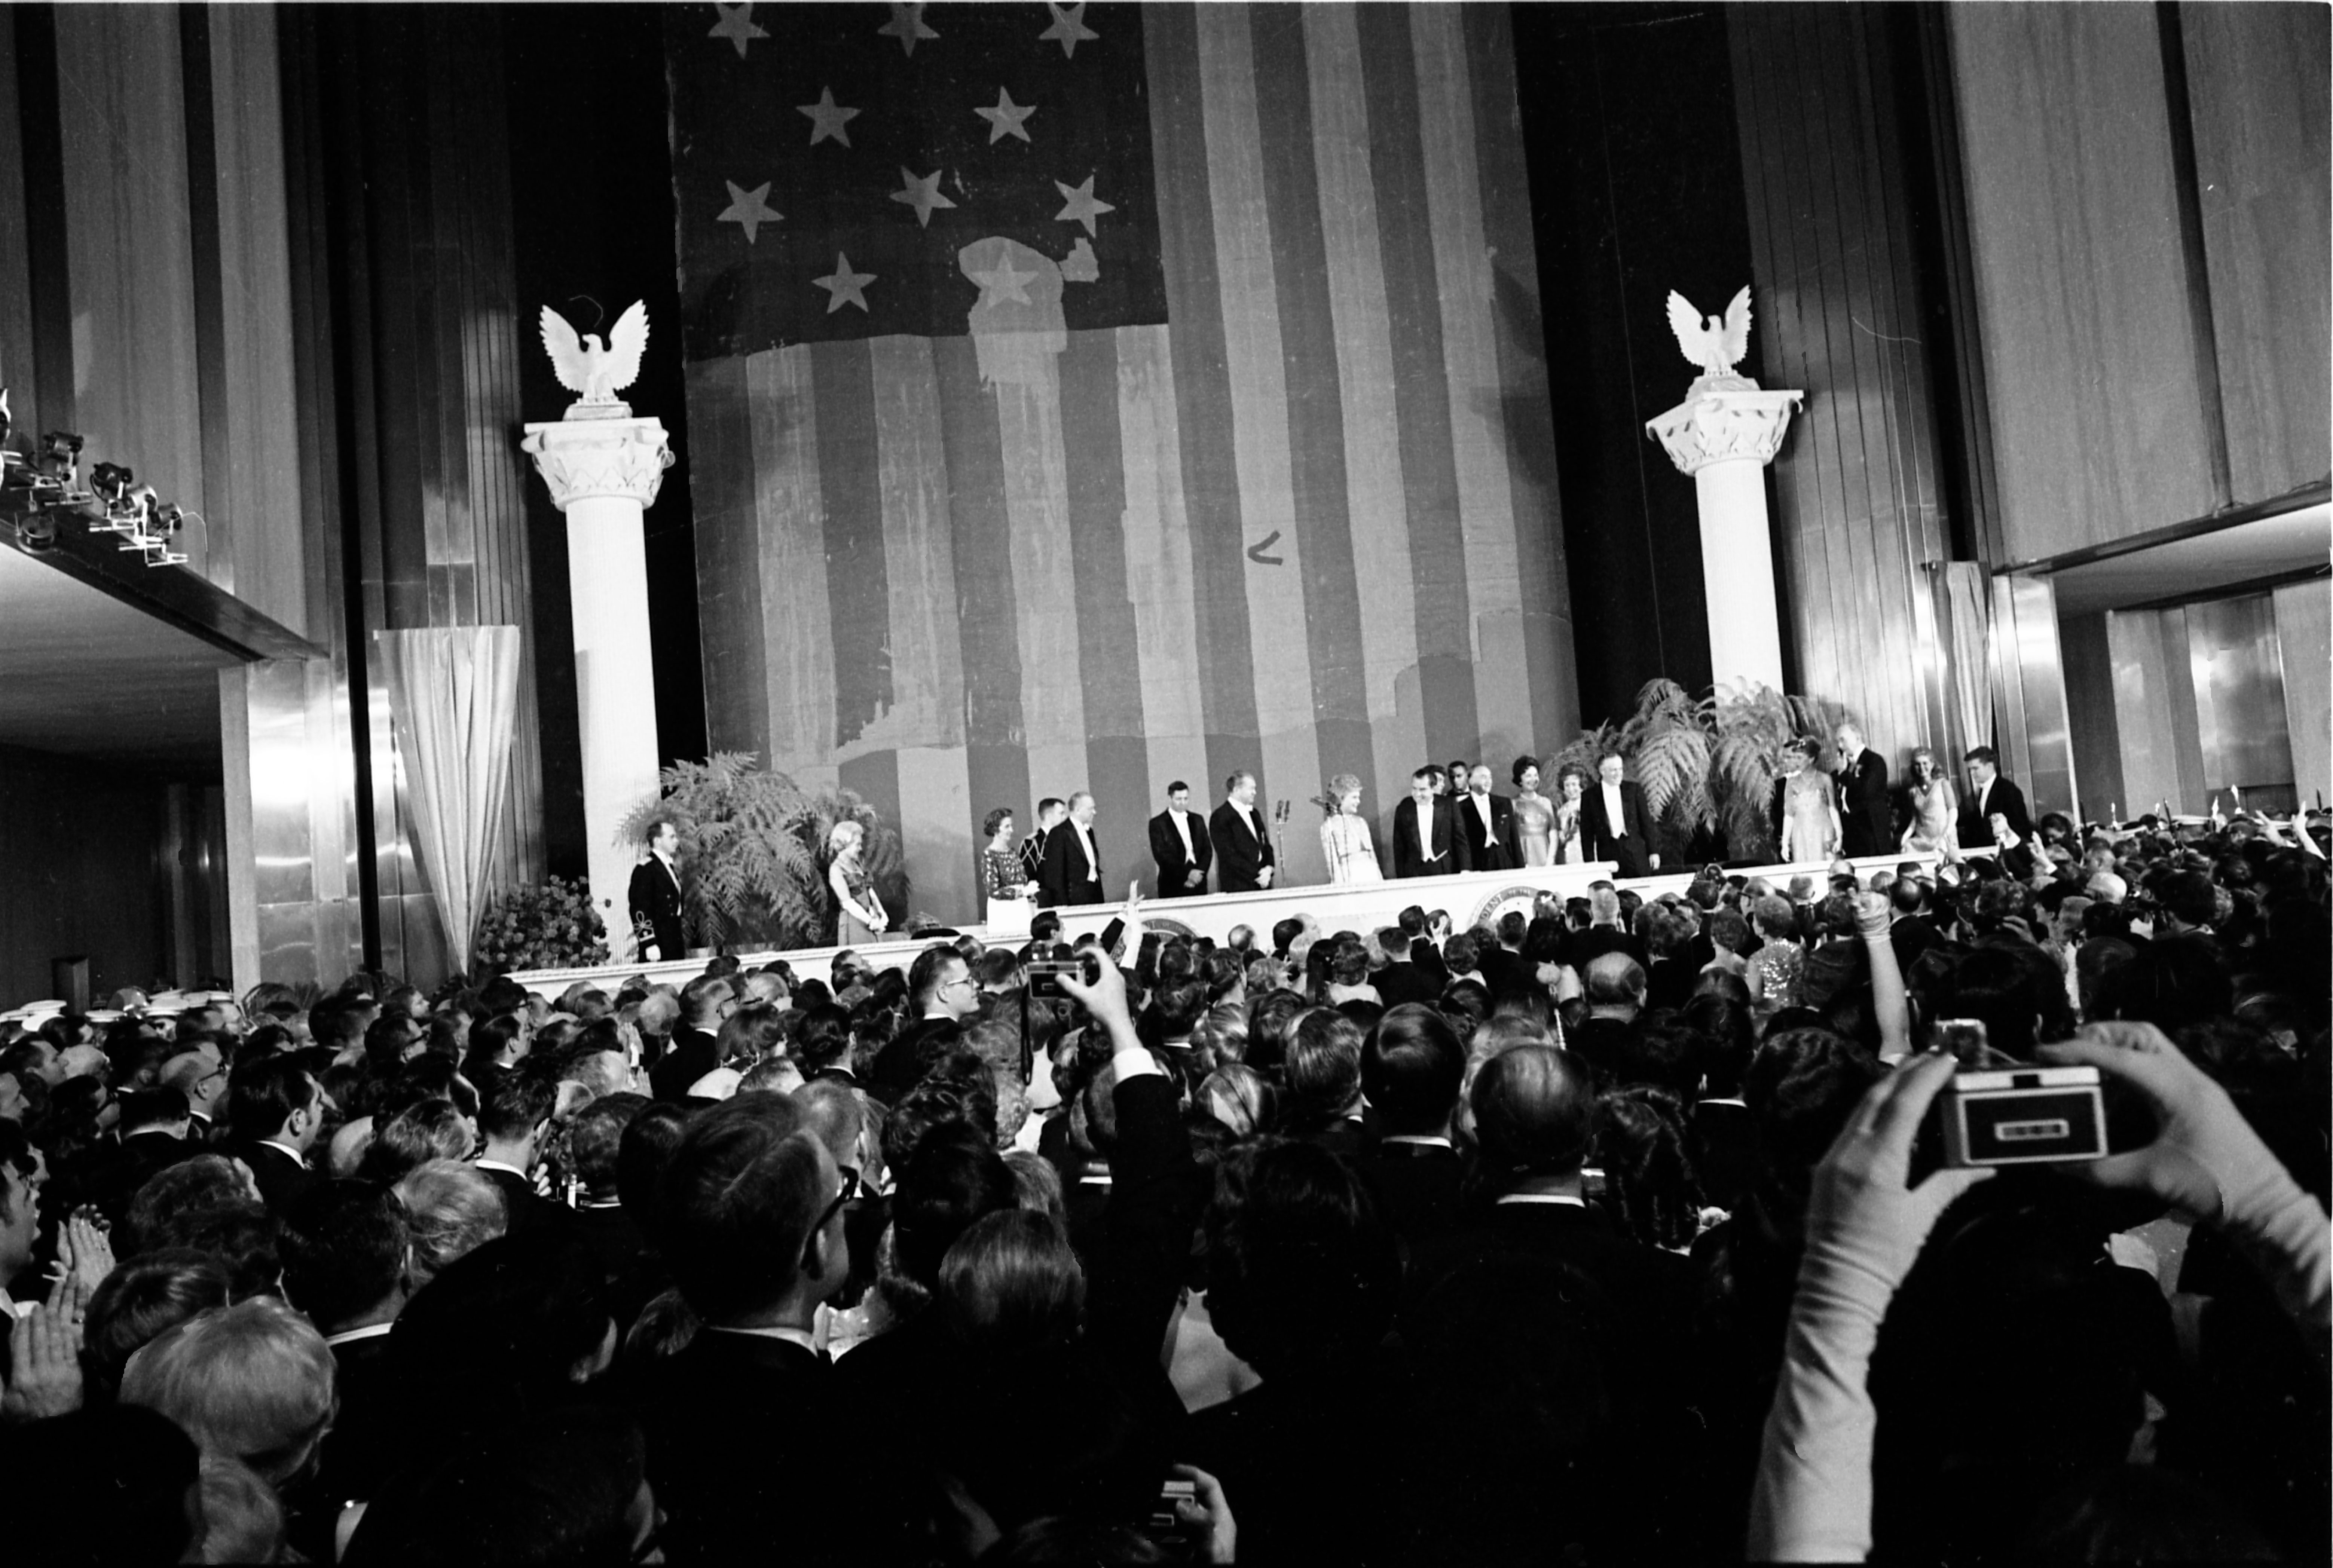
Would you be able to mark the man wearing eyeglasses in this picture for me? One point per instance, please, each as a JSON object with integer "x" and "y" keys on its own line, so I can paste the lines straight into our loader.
{"x": 201, "y": 1078}
{"x": 751, "y": 1224}
{"x": 941, "y": 988}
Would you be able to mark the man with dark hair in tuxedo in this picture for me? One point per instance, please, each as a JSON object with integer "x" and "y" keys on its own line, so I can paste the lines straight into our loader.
{"x": 1243, "y": 843}
{"x": 654, "y": 896}
{"x": 1486, "y": 824}
{"x": 1993, "y": 812}
{"x": 1867, "y": 820}
{"x": 276, "y": 1112}
{"x": 705, "y": 1002}
{"x": 1549, "y": 1343}
{"x": 513, "y": 1123}
{"x": 749, "y": 1219}
{"x": 1411, "y": 1068}
{"x": 1425, "y": 834}
{"x": 1050, "y": 813}
{"x": 943, "y": 994}
{"x": 1179, "y": 845}
{"x": 1613, "y": 822}
{"x": 1072, "y": 873}
{"x": 346, "y": 1251}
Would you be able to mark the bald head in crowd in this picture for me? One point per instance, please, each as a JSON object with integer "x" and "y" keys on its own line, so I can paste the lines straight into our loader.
{"x": 1616, "y": 985}
{"x": 1534, "y": 1109}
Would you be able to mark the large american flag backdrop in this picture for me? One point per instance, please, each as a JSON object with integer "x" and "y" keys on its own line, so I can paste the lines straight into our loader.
{"x": 1088, "y": 397}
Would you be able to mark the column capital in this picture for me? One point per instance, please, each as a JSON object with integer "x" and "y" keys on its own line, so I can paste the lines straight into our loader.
{"x": 1724, "y": 419}
{"x": 599, "y": 458}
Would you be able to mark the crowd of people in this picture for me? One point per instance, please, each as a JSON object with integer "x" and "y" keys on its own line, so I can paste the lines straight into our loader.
{"x": 1615, "y": 1233}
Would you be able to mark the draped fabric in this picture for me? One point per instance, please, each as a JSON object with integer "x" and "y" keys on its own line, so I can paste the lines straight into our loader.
{"x": 1089, "y": 397}
{"x": 453, "y": 693}
{"x": 1968, "y": 600}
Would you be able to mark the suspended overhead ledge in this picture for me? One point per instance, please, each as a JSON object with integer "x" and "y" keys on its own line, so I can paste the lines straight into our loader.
{"x": 182, "y": 599}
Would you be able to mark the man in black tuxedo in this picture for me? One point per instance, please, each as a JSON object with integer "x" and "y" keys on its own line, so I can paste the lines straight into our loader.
{"x": 1551, "y": 1341}
{"x": 694, "y": 1052}
{"x": 1180, "y": 846}
{"x": 275, "y": 1112}
{"x": 1051, "y": 811}
{"x": 1486, "y": 825}
{"x": 1613, "y": 822}
{"x": 514, "y": 1122}
{"x": 346, "y": 1245}
{"x": 1072, "y": 873}
{"x": 654, "y": 897}
{"x": 1991, "y": 796}
{"x": 1411, "y": 1068}
{"x": 1431, "y": 851}
{"x": 1865, "y": 818}
{"x": 1401, "y": 980}
{"x": 1243, "y": 845}
{"x": 154, "y": 1135}
{"x": 750, "y": 1219}
{"x": 942, "y": 993}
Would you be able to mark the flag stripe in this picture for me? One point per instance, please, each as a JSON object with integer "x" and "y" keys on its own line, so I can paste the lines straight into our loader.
{"x": 1478, "y": 442}
{"x": 1519, "y": 333}
{"x": 1372, "y": 434}
{"x": 1159, "y": 570}
{"x": 1036, "y": 504}
{"x": 858, "y": 590}
{"x": 1287, "y": 737}
{"x": 996, "y": 758}
{"x": 874, "y": 778}
{"x": 918, "y": 548}
{"x": 935, "y": 804}
{"x": 1213, "y": 502}
{"x": 790, "y": 511}
{"x": 1316, "y": 427}
{"x": 1117, "y": 756}
{"x": 1445, "y": 647}
{"x": 728, "y": 587}
{"x": 925, "y": 726}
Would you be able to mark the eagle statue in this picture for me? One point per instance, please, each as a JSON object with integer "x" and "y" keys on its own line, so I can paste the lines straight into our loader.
{"x": 1716, "y": 346}
{"x": 595, "y": 370}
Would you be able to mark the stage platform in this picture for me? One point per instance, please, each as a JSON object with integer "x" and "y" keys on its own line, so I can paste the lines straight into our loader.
{"x": 1471, "y": 898}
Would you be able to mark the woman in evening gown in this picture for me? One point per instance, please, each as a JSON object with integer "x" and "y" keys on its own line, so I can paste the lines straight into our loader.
{"x": 1002, "y": 878}
{"x": 1535, "y": 815}
{"x": 1810, "y": 829}
{"x": 1932, "y": 808}
{"x": 1571, "y": 788}
{"x": 1345, "y": 837}
{"x": 860, "y": 917}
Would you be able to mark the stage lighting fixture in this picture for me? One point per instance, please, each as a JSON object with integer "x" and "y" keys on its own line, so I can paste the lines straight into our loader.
{"x": 61, "y": 456}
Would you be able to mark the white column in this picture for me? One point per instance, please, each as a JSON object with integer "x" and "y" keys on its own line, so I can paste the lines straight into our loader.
{"x": 1723, "y": 434}
{"x": 603, "y": 472}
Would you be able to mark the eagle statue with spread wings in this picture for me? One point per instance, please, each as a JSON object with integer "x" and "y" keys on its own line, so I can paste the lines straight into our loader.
{"x": 1716, "y": 346}
{"x": 595, "y": 370}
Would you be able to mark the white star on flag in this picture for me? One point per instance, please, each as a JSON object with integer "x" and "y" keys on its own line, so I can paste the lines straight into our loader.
{"x": 906, "y": 25}
{"x": 737, "y": 26}
{"x": 1004, "y": 281}
{"x": 844, "y": 286}
{"x": 827, "y": 117}
{"x": 1006, "y": 118}
{"x": 1083, "y": 207}
{"x": 1068, "y": 28}
{"x": 748, "y": 208}
{"x": 923, "y": 194}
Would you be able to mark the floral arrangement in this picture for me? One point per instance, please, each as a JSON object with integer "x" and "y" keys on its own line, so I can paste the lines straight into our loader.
{"x": 550, "y": 925}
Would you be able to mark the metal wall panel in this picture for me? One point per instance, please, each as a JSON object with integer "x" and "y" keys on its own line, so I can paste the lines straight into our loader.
{"x": 2239, "y": 675}
{"x": 2029, "y": 693}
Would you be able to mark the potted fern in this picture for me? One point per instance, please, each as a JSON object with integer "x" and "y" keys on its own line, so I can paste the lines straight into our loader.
{"x": 753, "y": 851}
{"x": 1708, "y": 764}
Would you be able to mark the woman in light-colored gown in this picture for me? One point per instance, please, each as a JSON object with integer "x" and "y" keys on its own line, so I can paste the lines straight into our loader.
{"x": 1934, "y": 808}
{"x": 1535, "y": 815}
{"x": 1345, "y": 842}
{"x": 1810, "y": 829}
{"x": 1571, "y": 788}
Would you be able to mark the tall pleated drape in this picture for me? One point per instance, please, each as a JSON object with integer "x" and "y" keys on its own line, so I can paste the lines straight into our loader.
{"x": 1969, "y": 615}
{"x": 453, "y": 693}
